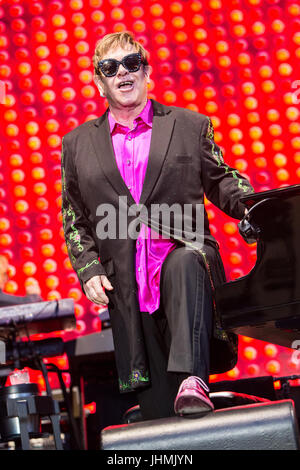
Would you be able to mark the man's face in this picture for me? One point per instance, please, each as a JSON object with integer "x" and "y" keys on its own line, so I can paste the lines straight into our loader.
{"x": 125, "y": 89}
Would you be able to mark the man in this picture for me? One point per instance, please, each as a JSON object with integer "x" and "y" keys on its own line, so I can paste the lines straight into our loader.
{"x": 117, "y": 172}
{"x": 33, "y": 290}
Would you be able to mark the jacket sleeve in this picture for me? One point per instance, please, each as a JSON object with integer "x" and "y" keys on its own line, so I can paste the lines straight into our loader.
{"x": 81, "y": 245}
{"x": 223, "y": 185}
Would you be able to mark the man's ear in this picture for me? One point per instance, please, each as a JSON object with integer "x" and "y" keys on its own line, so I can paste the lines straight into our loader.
{"x": 148, "y": 71}
{"x": 98, "y": 83}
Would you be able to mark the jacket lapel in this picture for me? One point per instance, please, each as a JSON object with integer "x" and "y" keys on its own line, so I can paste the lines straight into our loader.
{"x": 162, "y": 128}
{"x": 101, "y": 139}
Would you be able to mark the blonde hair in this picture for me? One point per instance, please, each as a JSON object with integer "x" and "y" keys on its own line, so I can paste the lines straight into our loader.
{"x": 114, "y": 40}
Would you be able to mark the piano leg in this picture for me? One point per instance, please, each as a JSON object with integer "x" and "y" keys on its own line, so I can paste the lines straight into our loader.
{"x": 82, "y": 414}
{"x": 22, "y": 411}
{"x": 55, "y": 421}
{"x": 73, "y": 425}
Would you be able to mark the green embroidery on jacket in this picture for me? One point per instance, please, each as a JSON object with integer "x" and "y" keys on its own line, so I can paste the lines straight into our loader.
{"x": 242, "y": 186}
{"x": 124, "y": 385}
{"x": 95, "y": 261}
{"x": 135, "y": 377}
{"x": 218, "y": 155}
{"x": 68, "y": 213}
{"x": 75, "y": 236}
{"x": 63, "y": 176}
{"x": 210, "y": 130}
{"x": 69, "y": 248}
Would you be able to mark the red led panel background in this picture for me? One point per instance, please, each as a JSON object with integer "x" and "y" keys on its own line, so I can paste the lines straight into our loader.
{"x": 234, "y": 60}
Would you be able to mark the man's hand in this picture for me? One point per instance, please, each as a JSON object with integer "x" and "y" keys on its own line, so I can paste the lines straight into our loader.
{"x": 95, "y": 287}
{"x": 32, "y": 287}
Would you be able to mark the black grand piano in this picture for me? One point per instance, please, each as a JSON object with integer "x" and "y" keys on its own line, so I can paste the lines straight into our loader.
{"x": 265, "y": 304}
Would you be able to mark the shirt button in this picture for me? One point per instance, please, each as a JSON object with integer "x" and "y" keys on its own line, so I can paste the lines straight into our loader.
{"x": 138, "y": 242}
{"x": 128, "y": 162}
{"x": 139, "y": 269}
{"x": 129, "y": 187}
{"x": 129, "y": 137}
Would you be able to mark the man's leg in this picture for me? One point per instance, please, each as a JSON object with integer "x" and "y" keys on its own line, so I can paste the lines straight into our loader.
{"x": 157, "y": 401}
{"x": 177, "y": 335}
{"x": 186, "y": 299}
{"x": 187, "y": 303}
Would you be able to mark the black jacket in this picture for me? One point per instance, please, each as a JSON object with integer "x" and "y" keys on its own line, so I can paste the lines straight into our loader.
{"x": 184, "y": 164}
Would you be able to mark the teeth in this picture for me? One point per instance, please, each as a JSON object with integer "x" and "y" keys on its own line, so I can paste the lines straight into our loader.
{"x": 125, "y": 83}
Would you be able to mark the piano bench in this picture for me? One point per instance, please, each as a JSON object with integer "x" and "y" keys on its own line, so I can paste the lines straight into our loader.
{"x": 223, "y": 399}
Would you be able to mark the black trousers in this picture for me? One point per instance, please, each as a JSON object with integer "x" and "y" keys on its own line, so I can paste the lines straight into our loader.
{"x": 177, "y": 336}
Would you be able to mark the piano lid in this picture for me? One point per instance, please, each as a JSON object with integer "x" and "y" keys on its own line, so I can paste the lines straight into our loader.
{"x": 282, "y": 193}
{"x": 265, "y": 304}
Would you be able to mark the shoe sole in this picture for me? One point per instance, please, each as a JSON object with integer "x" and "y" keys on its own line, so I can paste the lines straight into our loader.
{"x": 192, "y": 405}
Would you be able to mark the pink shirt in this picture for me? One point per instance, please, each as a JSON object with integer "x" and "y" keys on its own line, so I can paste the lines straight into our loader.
{"x": 131, "y": 147}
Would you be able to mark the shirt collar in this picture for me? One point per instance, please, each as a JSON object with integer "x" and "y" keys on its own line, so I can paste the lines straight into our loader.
{"x": 146, "y": 115}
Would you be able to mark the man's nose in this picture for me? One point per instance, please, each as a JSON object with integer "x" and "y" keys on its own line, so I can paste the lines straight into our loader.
{"x": 122, "y": 70}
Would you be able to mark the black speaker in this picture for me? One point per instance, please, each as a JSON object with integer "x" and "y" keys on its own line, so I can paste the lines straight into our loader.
{"x": 260, "y": 426}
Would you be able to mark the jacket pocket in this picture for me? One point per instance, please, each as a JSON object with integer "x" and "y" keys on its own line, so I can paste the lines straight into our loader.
{"x": 184, "y": 158}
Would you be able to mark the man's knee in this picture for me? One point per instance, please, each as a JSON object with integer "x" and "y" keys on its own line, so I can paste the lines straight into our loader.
{"x": 183, "y": 259}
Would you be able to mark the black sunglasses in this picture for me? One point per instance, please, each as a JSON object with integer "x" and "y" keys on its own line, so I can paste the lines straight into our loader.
{"x": 131, "y": 62}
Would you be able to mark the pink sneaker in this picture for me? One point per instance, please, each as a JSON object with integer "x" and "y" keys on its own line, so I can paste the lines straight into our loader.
{"x": 191, "y": 397}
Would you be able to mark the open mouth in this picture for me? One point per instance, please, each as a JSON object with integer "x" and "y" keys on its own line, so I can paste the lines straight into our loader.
{"x": 126, "y": 85}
